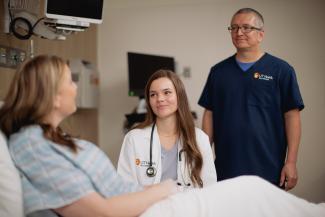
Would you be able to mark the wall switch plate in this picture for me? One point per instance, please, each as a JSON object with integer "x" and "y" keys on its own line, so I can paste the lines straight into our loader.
{"x": 187, "y": 72}
{"x": 11, "y": 57}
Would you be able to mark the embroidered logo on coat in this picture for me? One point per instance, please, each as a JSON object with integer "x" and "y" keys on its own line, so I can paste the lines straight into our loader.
{"x": 143, "y": 163}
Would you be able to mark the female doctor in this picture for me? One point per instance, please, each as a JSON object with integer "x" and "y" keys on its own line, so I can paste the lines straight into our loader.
{"x": 167, "y": 145}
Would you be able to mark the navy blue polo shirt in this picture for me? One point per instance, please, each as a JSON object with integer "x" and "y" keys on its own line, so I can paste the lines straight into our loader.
{"x": 248, "y": 115}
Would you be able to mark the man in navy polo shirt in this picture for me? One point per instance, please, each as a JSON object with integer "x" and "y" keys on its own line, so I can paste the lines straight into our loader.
{"x": 252, "y": 108}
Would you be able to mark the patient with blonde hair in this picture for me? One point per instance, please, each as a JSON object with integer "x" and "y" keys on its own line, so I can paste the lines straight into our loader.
{"x": 62, "y": 175}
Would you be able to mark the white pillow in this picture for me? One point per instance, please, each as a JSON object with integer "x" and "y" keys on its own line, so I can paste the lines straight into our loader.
{"x": 11, "y": 199}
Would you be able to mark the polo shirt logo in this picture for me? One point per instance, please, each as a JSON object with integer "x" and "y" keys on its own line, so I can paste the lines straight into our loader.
{"x": 260, "y": 76}
{"x": 256, "y": 75}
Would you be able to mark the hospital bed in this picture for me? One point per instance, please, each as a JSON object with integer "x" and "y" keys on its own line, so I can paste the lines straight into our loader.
{"x": 244, "y": 196}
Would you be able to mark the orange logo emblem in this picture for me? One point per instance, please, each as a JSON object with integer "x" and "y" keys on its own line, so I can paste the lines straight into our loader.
{"x": 137, "y": 161}
{"x": 256, "y": 75}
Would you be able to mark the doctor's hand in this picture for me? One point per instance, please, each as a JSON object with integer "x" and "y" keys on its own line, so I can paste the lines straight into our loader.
{"x": 289, "y": 176}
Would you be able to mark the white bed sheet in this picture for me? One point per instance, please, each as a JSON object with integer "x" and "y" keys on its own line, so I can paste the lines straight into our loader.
{"x": 11, "y": 199}
{"x": 243, "y": 196}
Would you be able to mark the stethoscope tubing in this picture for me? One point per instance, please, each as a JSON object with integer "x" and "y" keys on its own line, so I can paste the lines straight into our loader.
{"x": 151, "y": 171}
{"x": 151, "y": 140}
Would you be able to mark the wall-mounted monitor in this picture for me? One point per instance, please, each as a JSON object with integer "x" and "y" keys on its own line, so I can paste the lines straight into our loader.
{"x": 84, "y": 11}
{"x": 142, "y": 66}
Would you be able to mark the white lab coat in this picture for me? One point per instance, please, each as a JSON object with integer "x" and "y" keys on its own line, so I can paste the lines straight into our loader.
{"x": 134, "y": 158}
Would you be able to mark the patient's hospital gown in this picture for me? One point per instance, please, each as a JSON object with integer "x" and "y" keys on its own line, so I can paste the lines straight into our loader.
{"x": 53, "y": 176}
{"x": 246, "y": 196}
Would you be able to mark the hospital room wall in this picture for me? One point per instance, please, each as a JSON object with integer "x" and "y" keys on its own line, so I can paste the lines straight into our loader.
{"x": 82, "y": 45}
{"x": 194, "y": 32}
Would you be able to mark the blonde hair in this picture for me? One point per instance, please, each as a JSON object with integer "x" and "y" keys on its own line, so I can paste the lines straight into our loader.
{"x": 31, "y": 97}
{"x": 185, "y": 124}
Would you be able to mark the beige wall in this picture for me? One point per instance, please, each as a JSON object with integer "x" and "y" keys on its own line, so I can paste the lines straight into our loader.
{"x": 194, "y": 32}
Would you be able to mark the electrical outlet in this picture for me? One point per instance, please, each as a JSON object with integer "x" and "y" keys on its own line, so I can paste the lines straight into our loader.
{"x": 11, "y": 57}
{"x": 3, "y": 56}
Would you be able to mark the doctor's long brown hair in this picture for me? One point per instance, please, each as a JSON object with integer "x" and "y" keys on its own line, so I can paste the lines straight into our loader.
{"x": 185, "y": 124}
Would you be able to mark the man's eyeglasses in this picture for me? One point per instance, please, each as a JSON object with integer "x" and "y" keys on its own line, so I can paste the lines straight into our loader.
{"x": 244, "y": 29}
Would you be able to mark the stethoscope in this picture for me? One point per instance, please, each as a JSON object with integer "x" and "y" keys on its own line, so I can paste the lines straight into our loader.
{"x": 151, "y": 170}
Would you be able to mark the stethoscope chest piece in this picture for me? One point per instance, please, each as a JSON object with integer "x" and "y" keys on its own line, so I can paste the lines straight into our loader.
{"x": 151, "y": 171}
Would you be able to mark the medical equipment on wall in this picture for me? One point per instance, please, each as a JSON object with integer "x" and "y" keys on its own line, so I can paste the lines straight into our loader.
{"x": 58, "y": 19}
{"x": 31, "y": 25}
{"x": 23, "y": 19}
{"x": 151, "y": 170}
{"x": 86, "y": 77}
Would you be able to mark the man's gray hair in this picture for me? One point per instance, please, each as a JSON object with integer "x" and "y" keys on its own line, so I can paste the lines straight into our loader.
{"x": 258, "y": 15}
